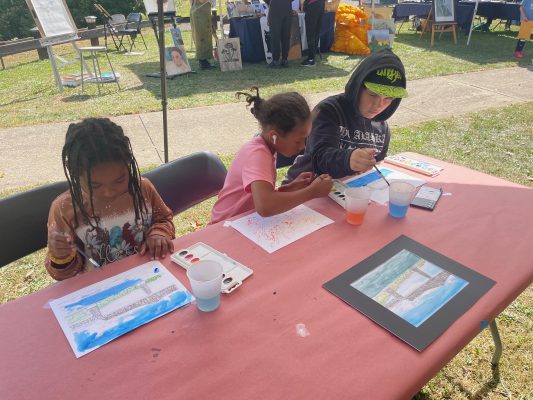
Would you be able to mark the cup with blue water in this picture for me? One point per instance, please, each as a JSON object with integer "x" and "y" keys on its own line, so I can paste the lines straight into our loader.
{"x": 400, "y": 195}
{"x": 206, "y": 282}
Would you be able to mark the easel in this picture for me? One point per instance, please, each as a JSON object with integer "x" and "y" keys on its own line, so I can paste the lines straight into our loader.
{"x": 439, "y": 27}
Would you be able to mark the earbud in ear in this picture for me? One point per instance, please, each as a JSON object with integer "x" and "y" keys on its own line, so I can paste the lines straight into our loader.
{"x": 274, "y": 138}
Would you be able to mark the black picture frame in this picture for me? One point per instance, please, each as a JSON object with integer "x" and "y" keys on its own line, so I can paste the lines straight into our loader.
{"x": 444, "y": 10}
{"x": 421, "y": 335}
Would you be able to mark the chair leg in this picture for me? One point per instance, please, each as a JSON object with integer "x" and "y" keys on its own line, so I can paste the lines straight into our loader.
{"x": 142, "y": 37}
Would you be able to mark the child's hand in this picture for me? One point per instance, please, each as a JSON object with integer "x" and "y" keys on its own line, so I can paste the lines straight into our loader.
{"x": 60, "y": 244}
{"x": 321, "y": 186}
{"x": 158, "y": 246}
{"x": 362, "y": 160}
{"x": 301, "y": 181}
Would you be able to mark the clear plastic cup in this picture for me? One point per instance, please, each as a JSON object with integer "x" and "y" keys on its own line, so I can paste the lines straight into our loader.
{"x": 206, "y": 282}
{"x": 400, "y": 195}
{"x": 356, "y": 204}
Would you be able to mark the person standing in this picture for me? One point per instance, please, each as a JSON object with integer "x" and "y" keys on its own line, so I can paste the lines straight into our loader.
{"x": 279, "y": 21}
{"x": 526, "y": 15}
{"x": 201, "y": 31}
{"x": 314, "y": 10}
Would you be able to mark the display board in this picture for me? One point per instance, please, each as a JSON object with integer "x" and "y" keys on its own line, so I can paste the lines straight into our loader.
{"x": 54, "y": 21}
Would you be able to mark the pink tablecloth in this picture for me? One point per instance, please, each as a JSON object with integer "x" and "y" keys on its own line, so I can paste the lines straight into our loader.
{"x": 249, "y": 347}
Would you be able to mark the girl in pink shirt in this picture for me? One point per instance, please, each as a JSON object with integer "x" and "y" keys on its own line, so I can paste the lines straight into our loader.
{"x": 285, "y": 121}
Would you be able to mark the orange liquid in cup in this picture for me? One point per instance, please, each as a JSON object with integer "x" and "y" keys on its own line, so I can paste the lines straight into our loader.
{"x": 355, "y": 218}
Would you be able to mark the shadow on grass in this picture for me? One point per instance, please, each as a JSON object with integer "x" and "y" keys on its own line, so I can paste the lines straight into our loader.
{"x": 214, "y": 80}
{"x": 485, "y": 47}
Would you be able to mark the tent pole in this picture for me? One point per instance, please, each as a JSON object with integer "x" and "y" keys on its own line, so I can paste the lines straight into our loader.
{"x": 472, "y": 23}
{"x": 161, "y": 24}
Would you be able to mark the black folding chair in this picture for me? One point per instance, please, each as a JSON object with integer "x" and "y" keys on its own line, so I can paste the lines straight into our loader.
{"x": 182, "y": 183}
{"x": 131, "y": 30}
{"x": 24, "y": 217}
{"x": 112, "y": 25}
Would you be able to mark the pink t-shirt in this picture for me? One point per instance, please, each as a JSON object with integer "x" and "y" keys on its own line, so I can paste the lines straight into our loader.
{"x": 254, "y": 162}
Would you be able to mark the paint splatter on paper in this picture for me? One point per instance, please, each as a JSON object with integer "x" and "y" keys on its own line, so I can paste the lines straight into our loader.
{"x": 273, "y": 233}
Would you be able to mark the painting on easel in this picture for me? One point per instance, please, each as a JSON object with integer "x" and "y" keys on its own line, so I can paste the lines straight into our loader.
{"x": 444, "y": 10}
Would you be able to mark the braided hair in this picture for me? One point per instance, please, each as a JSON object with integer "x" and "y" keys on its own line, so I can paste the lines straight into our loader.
{"x": 283, "y": 111}
{"x": 89, "y": 143}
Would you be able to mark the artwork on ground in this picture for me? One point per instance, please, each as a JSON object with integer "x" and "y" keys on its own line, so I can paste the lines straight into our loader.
{"x": 383, "y": 23}
{"x": 410, "y": 287}
{"x": 99, "y": 313}
{"x": 273, "y": 233}
{"x": 229, "y": 54}
{"x": 265, "y": 34}
{"x": 378, "y": 39}
{"x": 176, "y": 62}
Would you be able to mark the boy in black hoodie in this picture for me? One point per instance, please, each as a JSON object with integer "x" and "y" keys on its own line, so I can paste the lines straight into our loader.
{"x": 350, "y": 133}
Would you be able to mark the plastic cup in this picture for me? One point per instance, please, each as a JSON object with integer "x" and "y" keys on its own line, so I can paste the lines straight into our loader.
{"x": 356, "y": 204}
{"x": 206, "y": 282}
{"x": 400, "y": 195}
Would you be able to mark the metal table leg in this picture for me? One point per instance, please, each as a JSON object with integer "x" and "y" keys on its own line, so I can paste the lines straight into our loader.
{"x": 497, "y": 343}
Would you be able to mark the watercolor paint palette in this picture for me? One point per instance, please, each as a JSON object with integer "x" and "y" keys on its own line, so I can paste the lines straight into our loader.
{"x": 234, "y": 272}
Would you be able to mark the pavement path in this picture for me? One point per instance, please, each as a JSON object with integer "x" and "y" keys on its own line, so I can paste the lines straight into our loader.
{"x": 31, "y": 154}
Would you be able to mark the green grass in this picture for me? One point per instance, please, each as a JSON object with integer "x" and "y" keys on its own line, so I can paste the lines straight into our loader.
{"x": 28, "y": 94}
{"x": 474, "y": 140}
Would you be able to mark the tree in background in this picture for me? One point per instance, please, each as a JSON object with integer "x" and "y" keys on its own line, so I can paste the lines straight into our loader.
{"x": 16, "y": 20}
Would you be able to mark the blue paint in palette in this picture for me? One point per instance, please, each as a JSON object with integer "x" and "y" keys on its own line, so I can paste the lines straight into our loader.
{"x": 369, "y": 178}
{"x": 113, "y": 290}
{"x": 86, "y": 340}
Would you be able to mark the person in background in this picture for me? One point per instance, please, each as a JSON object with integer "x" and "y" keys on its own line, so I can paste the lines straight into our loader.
{"x": 526, "y": 15}
{"x": 279, "y": 20}
{"x": 109, "y": 211}
{"x": 350, "y": 131}
{"x": 201, "y": 31}
{"x": 285, "y": 121}
{"x": 314, "y": 10}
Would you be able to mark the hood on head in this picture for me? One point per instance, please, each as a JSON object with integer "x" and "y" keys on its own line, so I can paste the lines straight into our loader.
{"x": 380, "y": 59}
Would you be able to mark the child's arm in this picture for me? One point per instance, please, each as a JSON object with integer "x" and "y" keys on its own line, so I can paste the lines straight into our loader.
{"x": 62, "y": 260}
{"x": 269, "y": 202}
{"x": 158, "y": 238}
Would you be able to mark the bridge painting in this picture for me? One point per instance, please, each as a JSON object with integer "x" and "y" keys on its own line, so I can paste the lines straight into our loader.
{"x": 410, "y": 287}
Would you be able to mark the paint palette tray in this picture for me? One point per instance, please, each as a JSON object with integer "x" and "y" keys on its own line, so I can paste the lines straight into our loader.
{"x": 337, "y": 193}
{"x": 234, "y": 272}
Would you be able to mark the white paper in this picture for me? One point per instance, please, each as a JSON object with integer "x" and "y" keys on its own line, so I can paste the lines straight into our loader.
{"x": 97, "y": 314}
{"x": 273, "y": 233}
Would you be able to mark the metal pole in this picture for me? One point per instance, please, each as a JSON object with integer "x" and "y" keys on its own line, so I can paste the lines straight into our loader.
{"x": 497, "y": 341}
{"x": 472, "y": 24}
{"x": 161, "y": 23}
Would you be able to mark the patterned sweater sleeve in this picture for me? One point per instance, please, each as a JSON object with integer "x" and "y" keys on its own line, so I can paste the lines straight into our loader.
{"x": 161, "y": 215}
{"x": 59, "y": 221}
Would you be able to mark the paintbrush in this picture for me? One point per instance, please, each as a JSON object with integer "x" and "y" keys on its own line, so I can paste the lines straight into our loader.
{"x": 91, "y": 260}
{"x": 381, "y": 174}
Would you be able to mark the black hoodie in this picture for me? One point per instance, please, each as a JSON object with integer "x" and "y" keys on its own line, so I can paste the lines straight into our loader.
{"x": 338, "y": 128}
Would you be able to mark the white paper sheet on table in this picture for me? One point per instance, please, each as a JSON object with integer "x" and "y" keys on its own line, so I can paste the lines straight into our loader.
{"x": 273, "y": 233}
{"x": 99, "y": 313}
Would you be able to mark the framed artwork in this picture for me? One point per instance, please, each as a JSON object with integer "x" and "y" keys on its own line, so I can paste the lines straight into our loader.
{"x": 176, "y": 61}
{"x": 378, "y": 39}
{"x": 444, "y": 10}
{"x": 229, "y": 54}
{"x": 410, "y": 290}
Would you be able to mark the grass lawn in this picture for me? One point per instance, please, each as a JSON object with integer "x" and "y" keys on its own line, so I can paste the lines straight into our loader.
{"x": 28, "y": 94}
{"x": 473, "y": 140}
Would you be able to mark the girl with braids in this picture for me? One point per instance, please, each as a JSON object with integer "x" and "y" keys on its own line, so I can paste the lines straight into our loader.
{"x": 109, "y": 211}
{"x": 285, "y": 121}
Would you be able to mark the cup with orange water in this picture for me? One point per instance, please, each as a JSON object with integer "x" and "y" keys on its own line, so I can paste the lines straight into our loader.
{"x": 356, "y": 204}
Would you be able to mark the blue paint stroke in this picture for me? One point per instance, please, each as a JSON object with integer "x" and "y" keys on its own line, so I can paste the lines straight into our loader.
{"x": 113, "y": 290}
{"x": 367, "y": 179}
{"x": 86, "y": 340}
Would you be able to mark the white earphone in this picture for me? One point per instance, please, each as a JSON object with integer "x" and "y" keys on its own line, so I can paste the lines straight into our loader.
{"x": 274, "y": 138}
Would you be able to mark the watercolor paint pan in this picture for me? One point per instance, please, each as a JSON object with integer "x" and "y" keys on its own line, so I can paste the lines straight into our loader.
{"x": 234, "y": 272}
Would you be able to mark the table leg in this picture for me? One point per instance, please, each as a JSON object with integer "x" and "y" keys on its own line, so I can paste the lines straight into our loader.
{"x": 497, "y": 343}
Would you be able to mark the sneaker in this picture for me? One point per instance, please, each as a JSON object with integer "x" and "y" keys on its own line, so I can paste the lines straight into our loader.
{"x": 274, "y": 64}
{"x": 284, "y": 64}
{"x": 309, "y": 62}
{"x": 204, "y": 64}
{"x": 519, "y": 54}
